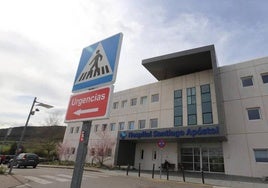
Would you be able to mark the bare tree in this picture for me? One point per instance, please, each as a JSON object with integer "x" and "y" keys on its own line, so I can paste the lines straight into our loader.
{"x": 63, "y": 151}
{"x": 53, "y": 119}
{"x": 101, "y": 148}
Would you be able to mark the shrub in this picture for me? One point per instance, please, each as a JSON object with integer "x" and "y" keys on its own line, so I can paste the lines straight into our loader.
{"x": 2, "y": 169}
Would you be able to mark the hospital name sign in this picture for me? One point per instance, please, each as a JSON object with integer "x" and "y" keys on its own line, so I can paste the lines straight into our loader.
{"x": 190, "y": 132}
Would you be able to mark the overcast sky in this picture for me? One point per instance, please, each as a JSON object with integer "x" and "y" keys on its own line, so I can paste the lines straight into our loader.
{"x": 41, "y": 43}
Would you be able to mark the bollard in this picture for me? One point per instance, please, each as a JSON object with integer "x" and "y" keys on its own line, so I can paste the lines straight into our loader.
{"x": 127, "y": 169}
{"x": 153, "y": 171}
{"x": 167, "y": 173}
{"x": 139, "y": 170}
{"x": 202, "y": 174}
{"x": 183, "y": 175}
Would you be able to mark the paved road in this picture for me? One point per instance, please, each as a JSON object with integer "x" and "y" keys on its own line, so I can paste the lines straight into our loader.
{"x": 61, "y": 178}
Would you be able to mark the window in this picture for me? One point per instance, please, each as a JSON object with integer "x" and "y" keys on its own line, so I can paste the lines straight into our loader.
{"x": 77, "y": 129}
{"x": 206, "y": 104}
{"x": 191, "y": 106}
{"x": 264, "y": 77}
{"x": 155, "y": 98}
{"x": 133, "y": 102}
{"x": 178, "y": 108}
{"x": 131, "y": 125}
{"x": 254, "y": 113}
{"x": 143, "y": 100}
{"x": 141, "y": 124}
{"x": 71, "y": 130}
{"x": 261, "y": 155}
{"x": 121, "y": 126}
{"x": 96, "y": 128}
{"x": 142, "y": 153}
{"x": 247, "y": 81}
{"x": 104, "y": 127}
{"x": 124, "y": 104}
{"x": 112, "y": 127}
{"x": 115, "y": 105}
{"x": 154, "y": 123}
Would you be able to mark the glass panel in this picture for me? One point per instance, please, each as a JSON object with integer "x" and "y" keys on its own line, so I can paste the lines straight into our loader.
{"x": 205, "y": 88}
{"x": 216, "y": 167}
{"x": 193, "y": 91}
{"x": 187, "y": 151}
{"x": 196, "y": 158}
{"x": 178, "y": 121}
{"x": 205, "y": 166}
{"x": 196, "y": 151}
{"x": 192, "y": 120}
{"x": 178, "y": 94}
{"x": 188, "y": 91}
{"x": 206, "y": 107}
{"x": 188, "y": 166}
{"x": 187, "y": 158}
{"x": 191, "y": 109}
{"x": 178, "y": 102}
{"x": 197, "y": 166}
{"x": 206, "y": 97}
{"x": 193, "y": 100}
{"x": 178, "y": 111}
{"x": 207, "y": 118}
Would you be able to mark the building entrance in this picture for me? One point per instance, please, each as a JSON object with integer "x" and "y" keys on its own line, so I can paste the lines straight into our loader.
{"x": 209, "y": 159}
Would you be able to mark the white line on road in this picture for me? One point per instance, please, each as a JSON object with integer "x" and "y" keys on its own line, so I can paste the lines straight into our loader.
{"x": 37, "y": 180}
{"x": 55, "y": 178}
{"x": 65, "y": 176}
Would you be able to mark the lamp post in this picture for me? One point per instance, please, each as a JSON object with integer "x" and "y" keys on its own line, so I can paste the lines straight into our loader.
{"x": 32, "y": 112}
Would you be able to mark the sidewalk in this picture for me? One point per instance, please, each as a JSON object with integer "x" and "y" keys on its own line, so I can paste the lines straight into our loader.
{"x": 8, "y": 181}
{"x": 215, "y": 180}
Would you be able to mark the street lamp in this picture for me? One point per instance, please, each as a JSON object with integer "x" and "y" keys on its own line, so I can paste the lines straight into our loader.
{"x": 32, "y": 112}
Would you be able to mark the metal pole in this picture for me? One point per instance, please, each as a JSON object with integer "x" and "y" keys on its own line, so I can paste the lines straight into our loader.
{"x": 139, "y": 169}
{"x": 22, "y": 135}
{"x": 202, "y": 174}
{"x": 160, "y": 163}
{"x": 127, "y": 169}
{"x": 81, "y": 155}
{"x": 153, "y": 171}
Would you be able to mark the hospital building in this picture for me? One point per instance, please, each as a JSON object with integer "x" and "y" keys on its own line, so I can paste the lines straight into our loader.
{"x": 197, "y": 114}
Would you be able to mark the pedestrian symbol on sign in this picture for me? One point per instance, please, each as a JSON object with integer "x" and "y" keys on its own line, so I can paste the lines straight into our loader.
{"x": 96, "y": 67}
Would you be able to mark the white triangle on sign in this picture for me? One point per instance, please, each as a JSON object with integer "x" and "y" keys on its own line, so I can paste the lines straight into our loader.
{"x": 97, "y": 66}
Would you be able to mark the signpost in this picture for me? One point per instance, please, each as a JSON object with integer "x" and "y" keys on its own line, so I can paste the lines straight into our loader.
{"x": 97, "y": 67}
{"x": 161, "y": 144}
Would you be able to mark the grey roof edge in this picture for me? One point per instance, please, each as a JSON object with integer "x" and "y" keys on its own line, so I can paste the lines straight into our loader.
{"x": 180, "y": 53}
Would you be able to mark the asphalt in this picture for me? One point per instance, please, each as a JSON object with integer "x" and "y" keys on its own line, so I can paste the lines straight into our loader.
{"x": 211, "y": 180}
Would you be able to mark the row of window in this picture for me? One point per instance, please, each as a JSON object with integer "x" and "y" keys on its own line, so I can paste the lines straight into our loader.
{"x": 130, "y": 125}
{"x": 74, "y": 130}
{"x": 248, "y": 80}
{"x": 133, "y": 102}
{"x": 191, "y": 106}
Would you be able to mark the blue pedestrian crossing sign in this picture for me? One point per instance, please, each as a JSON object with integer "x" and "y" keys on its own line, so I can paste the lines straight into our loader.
{"x": 98, "y": 64}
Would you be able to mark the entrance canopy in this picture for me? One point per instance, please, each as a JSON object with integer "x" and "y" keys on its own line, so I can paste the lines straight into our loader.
{"x": 180, "y": 63}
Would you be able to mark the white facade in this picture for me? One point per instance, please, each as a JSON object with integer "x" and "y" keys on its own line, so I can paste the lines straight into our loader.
{"x": 227, "y": 143}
